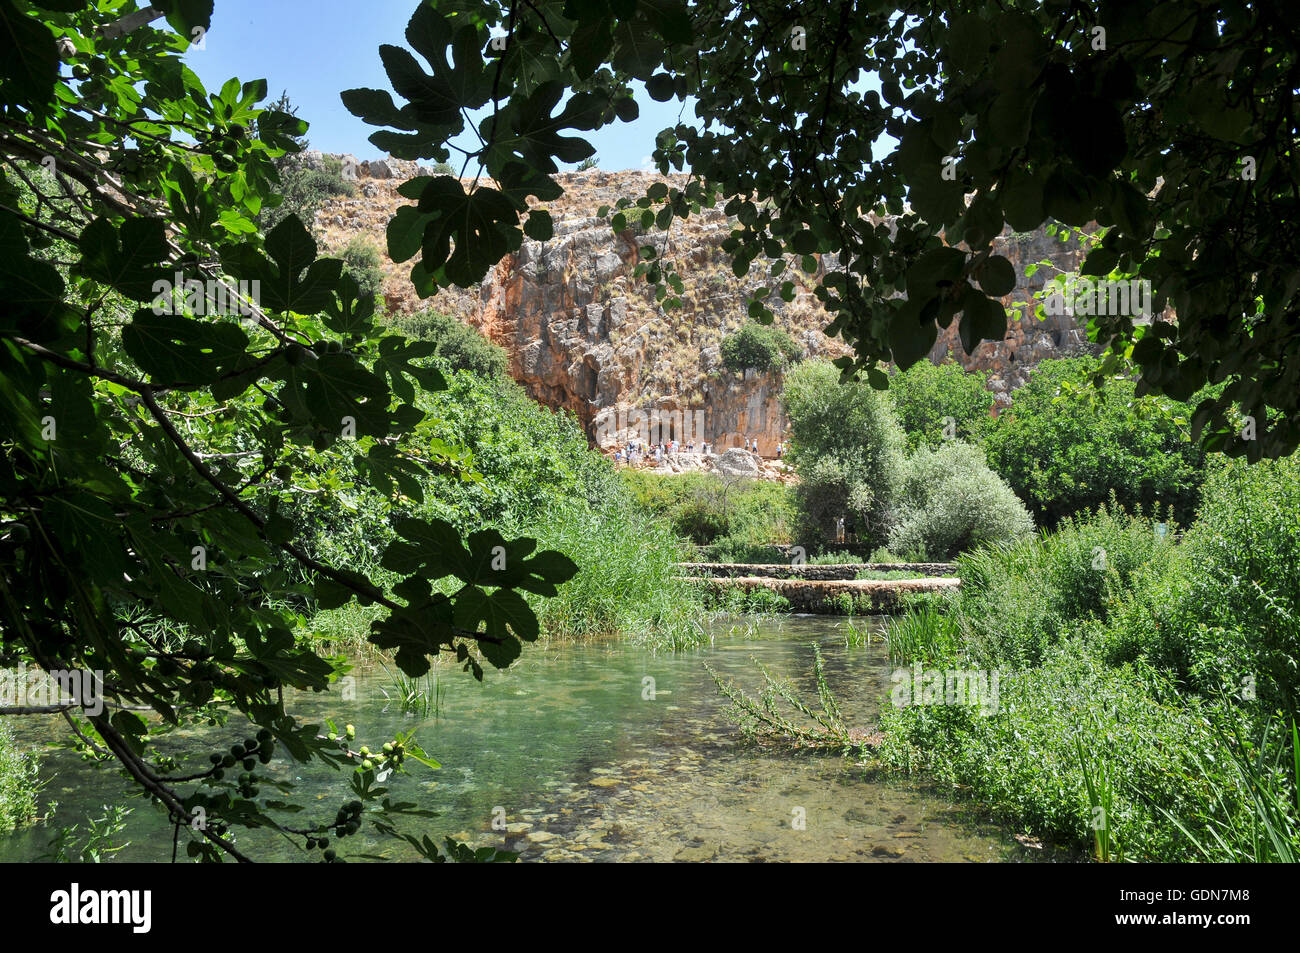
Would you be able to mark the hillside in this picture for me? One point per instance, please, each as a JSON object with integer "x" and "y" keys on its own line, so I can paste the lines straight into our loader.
{"x": 582, "y": 333}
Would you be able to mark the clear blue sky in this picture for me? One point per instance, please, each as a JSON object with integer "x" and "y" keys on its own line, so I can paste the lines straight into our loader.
{"x": 316, "y": 49}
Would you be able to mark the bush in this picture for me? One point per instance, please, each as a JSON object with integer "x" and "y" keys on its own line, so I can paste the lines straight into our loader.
{"x": 539, "y": 478}
{"x": 760, "y": 346}
{"x": 701, "y": 507}
{"x": 950, "y": 501}
{"x": 1024, "y": 760}
{"x": 1066, "y": 447}
{"x": 1226, "y": 616}
{"x": 459, "y": 347}
{"x": 627, "y": 583}
{"x": 18, "y": 784}
{"x": 361, "y": 260}
{"x": 1018, "y": 600}
{"x": 304, "y": 188}
{"x": 926, "y": 394}
{"x": 1148, "y": 679}
{"x": 847, "y": 449}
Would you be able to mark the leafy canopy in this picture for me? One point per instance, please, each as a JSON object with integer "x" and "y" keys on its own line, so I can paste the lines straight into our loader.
{"x": 1170, "y": 122}
{"x": 168, "y": 373}
{"x": 1067, "y": 448}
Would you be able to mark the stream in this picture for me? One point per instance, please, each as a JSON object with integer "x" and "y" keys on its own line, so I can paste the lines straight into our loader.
{"x": 570, "y": 753}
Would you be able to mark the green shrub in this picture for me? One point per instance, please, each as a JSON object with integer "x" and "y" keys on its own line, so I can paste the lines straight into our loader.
{"x": 744, "y": 514}
{"x": 926, "y": 394}
{"x": 1142, "y": 678}
{"x": 18, "y": 783}
{"x": 1024, "y": 760}
{"x": 627, "y": 577}
{"x": 459, "y": 347}
{"x": 728, "y": 550}
{"x": 736, "y": 601}
{"x": 835, "y": 559}
{"x": 925, "y": 633}
{"x": 760, "y": 346}
{"x": 1226, "y": 616}
{"x": 700, "y": 520}
{"x": 1017, "y": 600}
{"x": 303, "y": 188}
{"x": 361, "y": 260}
{"x": 1066, "y": 447}
{"x": 847, "y": 449}
{"x": 950, "y": 501}
{"x": 537, "y": 476}
{"x": 883, "y": 554}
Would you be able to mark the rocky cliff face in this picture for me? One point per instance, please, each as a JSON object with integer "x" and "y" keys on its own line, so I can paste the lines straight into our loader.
{"x": 584, "y": 334}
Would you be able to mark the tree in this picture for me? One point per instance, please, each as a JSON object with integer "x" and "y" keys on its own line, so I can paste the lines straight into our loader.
{"x": 940, "y": 402}
{"x": 458, "y": 346}
{"x": 847, "y": 449}
{"x": 1168, "y": 122}
{"x": 949, "y": 501}
{"x": 1065, "y": 447}
{"x": 362, "y": 262}
{"x": 166, "y": 370}
{"x": 760, "y": 346}
{"x": 305, "y": 182}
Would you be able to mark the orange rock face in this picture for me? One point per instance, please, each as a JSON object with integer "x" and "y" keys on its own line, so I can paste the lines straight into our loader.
{"x": 584, "y": 334}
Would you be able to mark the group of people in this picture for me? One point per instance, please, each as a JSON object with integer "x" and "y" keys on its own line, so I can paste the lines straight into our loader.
{"x": 637, "y": 451}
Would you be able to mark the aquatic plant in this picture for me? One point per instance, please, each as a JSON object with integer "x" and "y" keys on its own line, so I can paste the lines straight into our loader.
{"x": 770, "y": 718}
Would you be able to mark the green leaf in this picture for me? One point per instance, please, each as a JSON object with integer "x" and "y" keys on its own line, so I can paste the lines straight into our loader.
{"x": 127, "y": 259}
{"x": 504, "y": 616}
{"x": 33, "y": 290}
{"x": 983, "y": 319}
{"x": 437, "y": 99}
{"x": 29, "y": 60}
{"x": 185, "y": 16}
{"x": 538, "y": 225}
{"x": 935, "y": 272}
{"x": 467, "y": 233}
{"x": 660, "y": 87}
{"x": 997, "y": 276}
{"x": 297, "y": 281}
{"x": 174, "y": 349}
{"x": 534, "y": 133}
{"x": 405, "y": 232}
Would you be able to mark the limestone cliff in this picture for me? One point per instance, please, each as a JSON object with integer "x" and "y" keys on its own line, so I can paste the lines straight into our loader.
{"x": 584, "y": 334}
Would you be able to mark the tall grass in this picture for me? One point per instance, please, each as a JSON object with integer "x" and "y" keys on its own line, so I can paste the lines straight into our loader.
{"x": 1265, "y": 777}
{"x": 627, "y": 582}
{"x": 420, "y": 696}
{"x": 855, "y": 636}
{"x": 732, "y": 600}
{"x": 1102, "y": 817}
{"x": 1142, "y": 674}
{"x": 1018, "y": 600}
{"x": 923, "y": 634}
{"x": 19, "y": 786}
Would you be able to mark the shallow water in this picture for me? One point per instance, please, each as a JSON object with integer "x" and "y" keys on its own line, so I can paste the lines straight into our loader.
{"x": 585, "y": 767}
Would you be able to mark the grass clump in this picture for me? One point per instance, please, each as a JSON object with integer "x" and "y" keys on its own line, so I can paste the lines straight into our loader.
{"x": 19, "y": 786}
{"x": 1147, "y": 704}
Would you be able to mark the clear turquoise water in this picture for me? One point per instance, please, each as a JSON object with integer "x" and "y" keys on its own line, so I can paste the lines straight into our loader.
{"x": 583, "y": 767}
